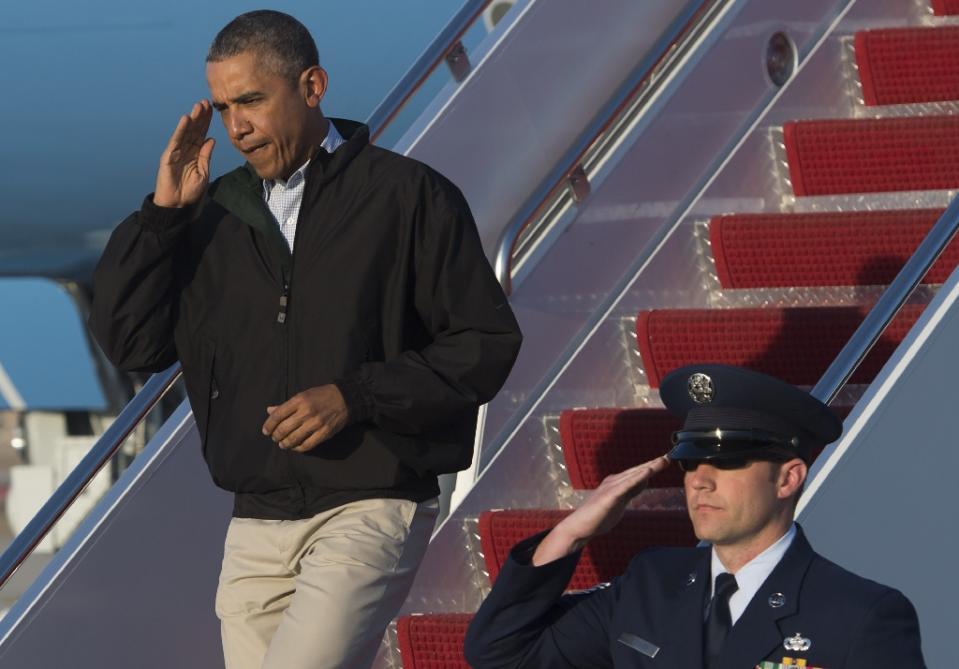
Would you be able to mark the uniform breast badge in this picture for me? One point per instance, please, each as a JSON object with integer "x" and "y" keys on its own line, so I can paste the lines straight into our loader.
{"x": 797, "y": 642}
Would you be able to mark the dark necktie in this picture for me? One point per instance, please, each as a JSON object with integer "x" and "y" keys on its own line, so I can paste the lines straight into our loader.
{"x": 718, "y": 619}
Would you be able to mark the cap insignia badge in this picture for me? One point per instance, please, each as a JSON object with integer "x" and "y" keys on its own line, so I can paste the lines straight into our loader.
{"x": 797, "y": 642}
{"x": 701, "y": 388}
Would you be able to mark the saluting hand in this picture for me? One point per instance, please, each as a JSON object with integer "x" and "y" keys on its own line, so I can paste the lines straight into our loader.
{"x": 307, "y": 419}
{"x": 185, "y": 164}
{"x": 599, "y": 513}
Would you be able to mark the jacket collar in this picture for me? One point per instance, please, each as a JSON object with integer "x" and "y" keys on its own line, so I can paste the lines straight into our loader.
{"x": 241, "y": 191}
{"x": 325, "y": 166}
{"x": 757, "y": 632}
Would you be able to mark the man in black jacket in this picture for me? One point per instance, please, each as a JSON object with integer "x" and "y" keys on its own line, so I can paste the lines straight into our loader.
{"x": 338, "y": 327}
{"x": 758, "y": 597}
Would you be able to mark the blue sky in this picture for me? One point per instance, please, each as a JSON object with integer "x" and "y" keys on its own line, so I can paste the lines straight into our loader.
{"x": 92, "y": 90}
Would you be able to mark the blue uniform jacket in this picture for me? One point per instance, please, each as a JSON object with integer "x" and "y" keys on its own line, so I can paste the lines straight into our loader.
{"x": 652, "y": 616}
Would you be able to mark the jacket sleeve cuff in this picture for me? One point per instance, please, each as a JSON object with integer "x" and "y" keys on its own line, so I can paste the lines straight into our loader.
{"x": 358, "y": 398}
{"x": 163, "y": 220}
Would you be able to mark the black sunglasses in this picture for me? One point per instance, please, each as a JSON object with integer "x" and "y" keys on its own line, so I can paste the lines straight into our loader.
{"x": 726, "y": 464}
{"x": 722, "y": 463}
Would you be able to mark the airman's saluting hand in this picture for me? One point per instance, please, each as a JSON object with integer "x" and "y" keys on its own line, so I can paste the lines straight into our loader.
{"x": 599, "y": 513}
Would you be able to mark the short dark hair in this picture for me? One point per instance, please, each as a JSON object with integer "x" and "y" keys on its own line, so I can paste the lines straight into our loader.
{"x": 283, "y": 43}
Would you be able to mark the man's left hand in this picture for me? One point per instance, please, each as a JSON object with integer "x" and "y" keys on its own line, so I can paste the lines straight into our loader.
{"x": 307, "y": 419}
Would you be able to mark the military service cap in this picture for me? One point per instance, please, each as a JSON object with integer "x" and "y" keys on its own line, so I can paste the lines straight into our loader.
{"x": 732, "y": 413}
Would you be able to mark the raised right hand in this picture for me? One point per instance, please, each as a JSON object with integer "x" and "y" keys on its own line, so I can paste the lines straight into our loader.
{"x": 185, "y": 164}
{"x": 599, "y": 513}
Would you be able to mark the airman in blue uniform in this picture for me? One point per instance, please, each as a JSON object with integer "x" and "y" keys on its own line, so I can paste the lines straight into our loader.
{"x": 757, "y": 596}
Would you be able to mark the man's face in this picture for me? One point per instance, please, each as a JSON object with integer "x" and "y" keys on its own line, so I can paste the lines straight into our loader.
{"x": 735, "y": 506}
{"x": 266, "y": 115}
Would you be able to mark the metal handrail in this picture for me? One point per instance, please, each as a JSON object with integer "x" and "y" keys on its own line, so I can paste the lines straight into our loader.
{"x": 105, "y": 448}
{"x": 603, "y": 130}
{"x": 888, "y": 305}
{"x": 444, "y": 43}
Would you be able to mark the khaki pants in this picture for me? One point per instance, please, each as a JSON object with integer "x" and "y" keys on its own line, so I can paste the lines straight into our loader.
{"x": 318, "y": 593}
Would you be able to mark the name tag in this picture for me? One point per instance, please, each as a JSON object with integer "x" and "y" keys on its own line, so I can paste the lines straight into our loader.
{"x": 636, "y": 643}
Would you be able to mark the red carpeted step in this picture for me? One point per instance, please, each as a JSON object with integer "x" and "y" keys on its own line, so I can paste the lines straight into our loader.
{"x": 600, "y": 442}
{"x": 433, "y": 641}
{"x": 945, "y": 7}
{"x": 603, "y": 558}
{"x": 873, "y": 155}
{"x": 829, "y": 249}
{"x": 795, "y": 344}
{"x": 908, "y": 65}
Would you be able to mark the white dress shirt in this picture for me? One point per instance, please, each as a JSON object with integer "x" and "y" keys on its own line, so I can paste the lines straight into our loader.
{"x": 285, "y": 197}
{"x": 753, "y": 574}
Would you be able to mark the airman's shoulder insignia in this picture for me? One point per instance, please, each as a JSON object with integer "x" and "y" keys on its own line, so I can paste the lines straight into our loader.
{"x": 596, "y": 588}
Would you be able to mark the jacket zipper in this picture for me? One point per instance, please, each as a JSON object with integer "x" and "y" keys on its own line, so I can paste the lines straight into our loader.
{"x": 282, "y": 317}
{"x": 285, "y": 337}
{"x": 284, "y": 301}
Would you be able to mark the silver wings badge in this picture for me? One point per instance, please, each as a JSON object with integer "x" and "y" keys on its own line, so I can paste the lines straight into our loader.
{"x": 797, "y": 642}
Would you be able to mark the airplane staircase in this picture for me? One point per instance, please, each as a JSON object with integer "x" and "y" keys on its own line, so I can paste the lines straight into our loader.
{"x": 735, "y": 218}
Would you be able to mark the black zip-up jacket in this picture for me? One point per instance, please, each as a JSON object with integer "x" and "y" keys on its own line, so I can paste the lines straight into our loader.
{"x": 387, "y": 294}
